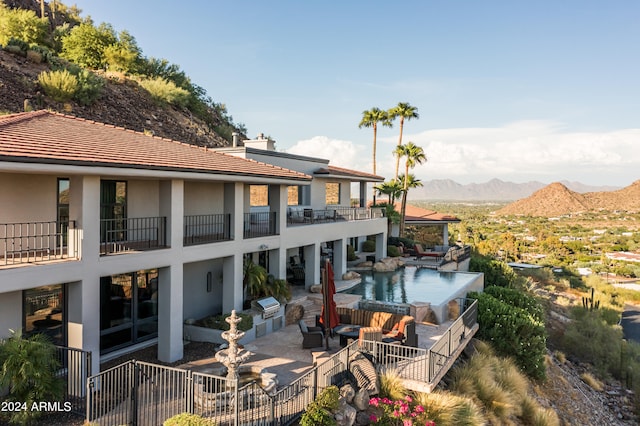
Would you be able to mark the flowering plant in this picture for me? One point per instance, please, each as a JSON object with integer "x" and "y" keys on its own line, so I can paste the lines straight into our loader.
{"x": 399, "y": 412}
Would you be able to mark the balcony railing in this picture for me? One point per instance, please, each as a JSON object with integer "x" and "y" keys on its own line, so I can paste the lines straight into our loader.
{"x": 132, "y": 234}
{"x": 335, "y": 214}
{"x": 210, "y": 228}
{"x": 30, "y": 242}
{"x": 259, "y": 224}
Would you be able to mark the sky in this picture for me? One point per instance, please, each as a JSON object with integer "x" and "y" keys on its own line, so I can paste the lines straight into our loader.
{"x": 540, "y": 90}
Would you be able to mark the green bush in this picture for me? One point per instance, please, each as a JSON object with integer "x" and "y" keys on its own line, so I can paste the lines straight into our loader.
{"x": 165, "y": 91}
{"x": 61, "y": 86}
{"x": 187, "y": 419}
{"x": 217, "y": 322}
{"x": 21, "y": 24}
{"x": 513, "y": 332}
{"x": 351, "y": 253}
{"x": 369, "y": 246}
{"x": 85, "y": 44}
{"x": 393, "y": 251}
{"x": 28, "y": 369}
{"x": 89, "y": 87}
{"x": 495, "y": 272}
{"x": 518, "y": 299}
{"x": 318, "y": 413}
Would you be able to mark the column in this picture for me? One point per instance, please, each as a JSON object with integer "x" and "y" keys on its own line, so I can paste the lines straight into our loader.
{"x": 170, "y": 316}
{"x": 233, "y": 289}
{"x": 311, "y": 265}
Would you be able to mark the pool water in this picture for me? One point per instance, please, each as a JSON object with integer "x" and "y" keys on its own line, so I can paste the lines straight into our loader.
{"x": 411, "y": 284}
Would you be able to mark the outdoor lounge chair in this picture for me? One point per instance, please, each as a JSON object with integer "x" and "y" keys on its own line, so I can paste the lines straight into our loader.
{"x": 312, "y": 337}
{"x": 421, "y": 252}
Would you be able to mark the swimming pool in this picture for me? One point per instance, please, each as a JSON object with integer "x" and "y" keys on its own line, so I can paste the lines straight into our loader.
{"x": 411, "y": 284}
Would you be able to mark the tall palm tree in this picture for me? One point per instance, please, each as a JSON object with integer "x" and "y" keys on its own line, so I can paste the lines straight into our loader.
{"x": 391, "y": 188}
{"x": 371, "y": 118}
{"x": 405, "y": 111}
{"x": 414, "y": 155}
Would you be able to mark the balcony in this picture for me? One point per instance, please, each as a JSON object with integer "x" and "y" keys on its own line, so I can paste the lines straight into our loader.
{"x": 132, "y": 234}
{"x": 307, "y": 216}
{"x": 31, "y": 242}
{"x": 259, "y": 224}
{"x": 204, "y": 229}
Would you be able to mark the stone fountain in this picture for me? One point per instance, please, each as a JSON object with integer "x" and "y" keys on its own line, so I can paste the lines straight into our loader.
{"x": 233, "y": 356}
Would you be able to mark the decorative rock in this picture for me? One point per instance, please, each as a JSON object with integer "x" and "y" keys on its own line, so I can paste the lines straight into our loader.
{"x": 347, "y": 392}
{"x": 316, "y": 288}
{"x": 294, "y": 313}
{"x": 363, "y": 418}
{"x": 361, "y": 399}
{"x": 350, "y": 275}
{"x": 366, "y": 264}
{"x": 345, "y": 414}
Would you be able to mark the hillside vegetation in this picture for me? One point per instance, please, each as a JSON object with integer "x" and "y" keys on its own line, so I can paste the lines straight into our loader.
{"x": 66, "y": 63}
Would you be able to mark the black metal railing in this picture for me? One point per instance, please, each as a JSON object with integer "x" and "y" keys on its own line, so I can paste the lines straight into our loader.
{"x": 132, "y": 234}
{"x": 308, "y": 216}
{"x": 75, "y": 369}
{"x": 208, "y": 228}
{"x": 29, "y": 242}
{"x": 259, "y": 224}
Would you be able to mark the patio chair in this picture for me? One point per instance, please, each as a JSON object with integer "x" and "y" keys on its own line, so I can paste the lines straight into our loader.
{"x": 369, "y": 334}
{"x": 312, "y": 337}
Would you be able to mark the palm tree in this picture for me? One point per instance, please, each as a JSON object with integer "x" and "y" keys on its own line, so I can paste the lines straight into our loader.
{"x": 405, "y": 111}
{"x": 391, "y": 188}
{"x": 414, "y": 155}
{"x": 371, "y": 118}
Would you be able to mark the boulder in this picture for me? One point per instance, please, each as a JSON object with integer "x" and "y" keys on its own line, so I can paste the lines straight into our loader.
{"x": 294, "y": 313}
{"x": 316, "y": 288}
{"x": 361, "y": 399}
{"x": 350, "y": 275}
{"x": 367, "y": 264}
{"x": 345, "y": 415}
{"x": 347, "y": 392}
{"x": 363, "y": 418}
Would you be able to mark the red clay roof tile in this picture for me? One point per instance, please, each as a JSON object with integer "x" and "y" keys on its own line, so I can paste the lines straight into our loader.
{"x": 43, "y": 136}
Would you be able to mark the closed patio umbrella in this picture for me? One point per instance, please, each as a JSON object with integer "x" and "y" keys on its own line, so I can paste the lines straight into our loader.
{"x": 329, "y": 314}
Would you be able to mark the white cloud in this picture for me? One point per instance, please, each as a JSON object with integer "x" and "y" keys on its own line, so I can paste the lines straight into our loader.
{"x": 518, "y": 152}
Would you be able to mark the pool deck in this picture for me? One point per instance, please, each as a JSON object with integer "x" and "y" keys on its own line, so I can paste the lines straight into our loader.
{"x": 281, "y": 352}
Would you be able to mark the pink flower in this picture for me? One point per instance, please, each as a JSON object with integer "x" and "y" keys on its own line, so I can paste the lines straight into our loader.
{"x": 396, "y": 413}
{"x": 373, "y": 418}
{"x": 404, "y": 408}
{"x": 407, "y": 423}
{"x": 419, "y": 409}
{"x": 374, "y": 401}
{"x": 408, "y": 398}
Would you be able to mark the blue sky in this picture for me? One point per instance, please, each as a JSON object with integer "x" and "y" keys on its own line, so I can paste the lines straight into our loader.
{"x": 519, "y": 91}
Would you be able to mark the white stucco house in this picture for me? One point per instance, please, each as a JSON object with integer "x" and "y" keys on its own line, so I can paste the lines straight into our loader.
{"x": 110, "y": 238}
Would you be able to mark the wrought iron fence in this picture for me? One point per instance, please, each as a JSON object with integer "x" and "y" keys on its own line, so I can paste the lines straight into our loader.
{"x": 132, "y": 234}
{"x": 75, "y": 369}
{"x": 259, "y": 224}
{"x": 202, "y": 229}
{"x": 28, "y": 242}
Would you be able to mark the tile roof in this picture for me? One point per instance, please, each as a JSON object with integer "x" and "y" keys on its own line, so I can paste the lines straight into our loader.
{"x": 49, "y": 137}
{"x": 417, "y": 214}
{"x": 339, "y": 171}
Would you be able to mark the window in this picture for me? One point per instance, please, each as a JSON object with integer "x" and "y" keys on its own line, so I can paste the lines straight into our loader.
{"x": 128, "y": 309}
{"x": 259, "y": 195}
{"x": 332, "y": 193}
{"x": 62, "y": 216}
{"x": 44, "y": 312}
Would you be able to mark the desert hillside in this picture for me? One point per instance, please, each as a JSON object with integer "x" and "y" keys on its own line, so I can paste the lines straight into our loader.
{"x": 556, "y": 199}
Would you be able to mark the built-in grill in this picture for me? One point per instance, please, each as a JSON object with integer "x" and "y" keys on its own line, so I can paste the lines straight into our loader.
{"x": 269, "y": 307}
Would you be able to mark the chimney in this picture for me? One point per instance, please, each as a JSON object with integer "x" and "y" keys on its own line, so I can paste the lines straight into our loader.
{"x": 235, "y": 137}
{"x": 261, "y": 142}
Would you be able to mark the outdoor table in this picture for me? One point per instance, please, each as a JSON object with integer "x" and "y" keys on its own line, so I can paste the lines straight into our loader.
{"x": 346, "y": 332}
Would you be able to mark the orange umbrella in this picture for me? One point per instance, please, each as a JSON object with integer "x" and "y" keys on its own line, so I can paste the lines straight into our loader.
{"x": 329, "y": 313}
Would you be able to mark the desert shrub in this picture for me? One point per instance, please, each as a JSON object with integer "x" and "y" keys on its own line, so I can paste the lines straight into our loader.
{"x": 445, "y": 408}
{"x": 513, "y": 332}
{"x": 318, "y": 413}
{"x": 165, "y": 91}
{"x": 188, "y": 419}
{"x": 17, "y": 46}
{"x": 593, "y": 382}
{"x": 21, "y": 24}
{"x": 89, "y": 88}
{"x": 59, "y": 85}
{"x": 124, "y": 55}
{"x": 351, "y": 253}
{"x": 277, "y": 288}
{"x": 28, "y": 367}
{"x": 218, "y": 322}
{"x": 369, "y": 246}
{"x": 391, "y": 385}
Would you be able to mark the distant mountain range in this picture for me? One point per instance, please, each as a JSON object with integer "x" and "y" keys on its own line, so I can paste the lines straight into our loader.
{"x": 556, "y": 200}
{"x": 493, "y": 190}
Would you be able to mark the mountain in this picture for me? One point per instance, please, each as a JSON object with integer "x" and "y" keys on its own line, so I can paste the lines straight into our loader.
{"x": 494, "y": 190}
{"x": 556, "y": 199}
